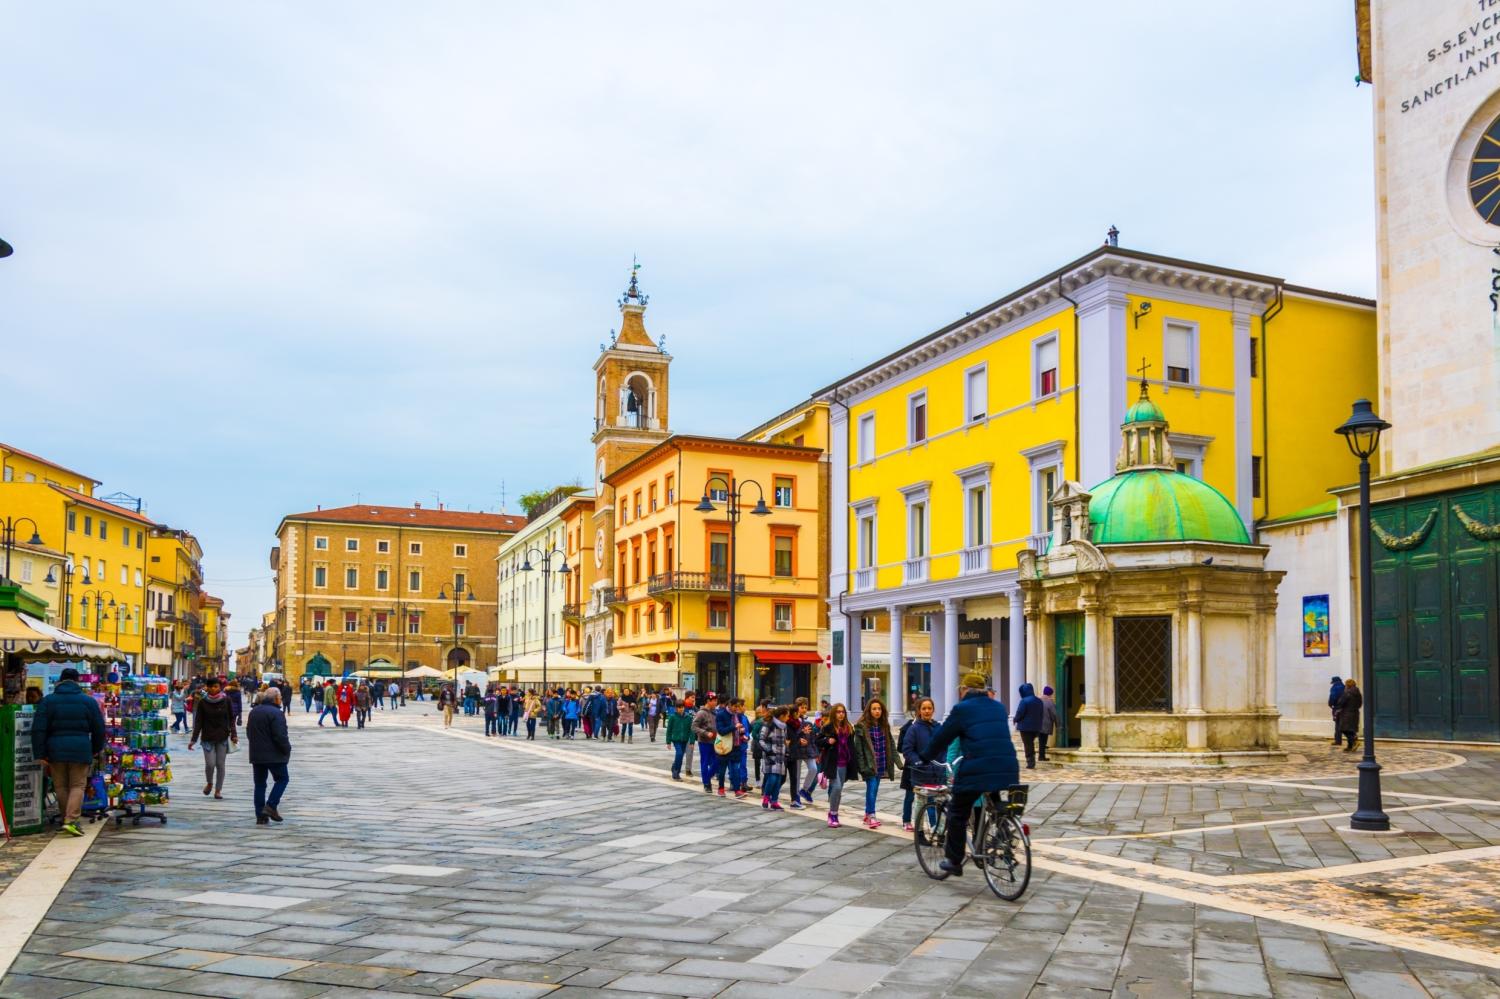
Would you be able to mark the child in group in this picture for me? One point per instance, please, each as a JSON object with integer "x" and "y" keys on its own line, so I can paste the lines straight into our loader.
{"x": 627, "y": 720}
{"x": 762, "y": 716}
{"x": 773, "y": 751}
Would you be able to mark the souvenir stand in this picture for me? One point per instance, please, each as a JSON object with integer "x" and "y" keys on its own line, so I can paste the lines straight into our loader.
{"x": 139, "y": 767}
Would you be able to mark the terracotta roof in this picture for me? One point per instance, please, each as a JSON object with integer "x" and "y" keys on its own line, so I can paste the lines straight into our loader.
{"x": 413, "y": 516}
{"x": 48, "y": 462}
{"x": 98, "y": 504}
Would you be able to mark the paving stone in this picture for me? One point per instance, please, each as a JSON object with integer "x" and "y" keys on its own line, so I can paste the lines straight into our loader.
{"x": 1231, "y": 978}
{"x": 115, "y": 951}
{"x": 672, "y": 985}
{"x": 31, "y": 987}
{"x": 256, "y": 967}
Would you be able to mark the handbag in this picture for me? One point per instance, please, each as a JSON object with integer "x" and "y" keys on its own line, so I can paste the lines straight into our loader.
{"x": 724, "y": 744}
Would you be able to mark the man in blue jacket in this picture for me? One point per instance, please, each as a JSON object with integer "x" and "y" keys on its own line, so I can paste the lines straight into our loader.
{"x": 66, "y": 734}
{"x": 989, "y": 760}
{"x": 1335, "y": 691}
{"x": 1031, "y": 721}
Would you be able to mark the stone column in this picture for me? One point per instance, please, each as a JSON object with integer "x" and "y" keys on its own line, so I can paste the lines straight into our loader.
{"x": 896, "y": 700}
{"x": 951, "y": 610}
{"x": 1090, "y": 716}
{"x": 1019, "y": 633}
{"x": 854, "y": 663}
{"x": 1197, "y": 723}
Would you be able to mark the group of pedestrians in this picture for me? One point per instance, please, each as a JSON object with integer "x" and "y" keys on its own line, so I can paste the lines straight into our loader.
{"x": 599, "y": 713}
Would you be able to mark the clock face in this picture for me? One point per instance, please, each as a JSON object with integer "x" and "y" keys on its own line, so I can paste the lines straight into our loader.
{"x": 599, "y": 548}
{"x": 599, "y": 479}
{"x": 1484, "y": 175}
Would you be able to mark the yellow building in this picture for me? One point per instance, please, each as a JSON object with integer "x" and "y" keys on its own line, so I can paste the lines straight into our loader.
{"x": 175, "y": 638}
{"x": 103, "y": 542}
{"x": 946, "y": 451}
{"x": 215, "y": 657}
{"x": 367, "y": 584}
{"x": 577, "y": 524}
{"x": 663, "y": 567}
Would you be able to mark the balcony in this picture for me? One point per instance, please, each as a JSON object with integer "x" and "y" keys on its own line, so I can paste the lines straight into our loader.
{"x": 613, "y": 595}
{"x": 572, "y": 613}
{"x": 694, "y": 582}
{"x": 1039, "y": 542}
{"x": 166, "y": 616}
{"x": 975, "y": 559}
{"x": 916, "y": 570}
{"x": 864, "y": 579}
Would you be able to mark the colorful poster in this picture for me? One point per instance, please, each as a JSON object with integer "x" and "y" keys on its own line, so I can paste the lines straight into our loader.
{"x": 1315, "y": 625}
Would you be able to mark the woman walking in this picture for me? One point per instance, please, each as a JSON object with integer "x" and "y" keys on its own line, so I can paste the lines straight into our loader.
{"x": 918, "y": 734}
{"x": 835, "y": 756}
{"x": 179, "y": 708}
{"x": 627, "y": 721}
{"x": 874, "y": 753}
{"x": 532, "y": 708}
{"x": 362, "y": 704}
{"x": 773, "y": 750}
{"x": 1350, "y": 701}
{"x": 213, "y": 725}
{"x": 446, "y": 702}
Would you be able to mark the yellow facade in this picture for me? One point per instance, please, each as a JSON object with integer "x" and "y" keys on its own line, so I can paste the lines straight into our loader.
{"x": 671, "y": 562}
{"x": 105, "y": 544}
{"x": 365, "y": 584}
{"x": 951, "y": 445}
{"x": 174, "y": 636}
{"x": 577, "y": 521}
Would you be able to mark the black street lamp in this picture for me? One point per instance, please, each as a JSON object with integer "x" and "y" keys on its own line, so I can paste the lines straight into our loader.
{"x": 458, "y": 591}
{"x": 526, "y": 566}
{"x": 99, "y": 606}
{"x": 118, "y": 615}
{"x": 8, "y": 535}
{"x": 1362, "y": 433}
{"x": 66, "y": 618}
{"x": 733, "y": 502}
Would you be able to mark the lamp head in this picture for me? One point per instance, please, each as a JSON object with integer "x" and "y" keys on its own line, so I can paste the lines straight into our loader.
{"x": 36, "y": 539}
{"x": 471, "y": 593}
{"x": 86, "y": 580}
{"x": 1363, "y": 429}
{"x": 761, "y": 510}
{"x": 442, "y": 593}
{"x": 565, "y": 570}
{"x": 526, "y": 565}
{"x": 705, "y": 505}
{"x": 51, "y": 579}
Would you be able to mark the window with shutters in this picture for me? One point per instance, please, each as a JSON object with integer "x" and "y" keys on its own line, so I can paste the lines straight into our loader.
{"x": 319, "y": 620}
{"x": 351, "y": 620}
{"x": 1143, "y": 663}
{"x": 783, "y": 554}
{"x": 1180, "y": 350}
{"x": 1044, "y": 361}
{"x": 917, "y": 424}
{"x": 976, "y": 394}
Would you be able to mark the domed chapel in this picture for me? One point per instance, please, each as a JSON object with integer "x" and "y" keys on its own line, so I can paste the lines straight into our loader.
{"x": 1153, "y": 615}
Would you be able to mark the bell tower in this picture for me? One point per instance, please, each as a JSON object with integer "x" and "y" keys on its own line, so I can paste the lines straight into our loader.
{"x": 630, "y": 418}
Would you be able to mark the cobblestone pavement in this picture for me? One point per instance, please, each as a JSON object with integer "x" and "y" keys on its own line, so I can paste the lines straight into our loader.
{"x": 421, "y": 862}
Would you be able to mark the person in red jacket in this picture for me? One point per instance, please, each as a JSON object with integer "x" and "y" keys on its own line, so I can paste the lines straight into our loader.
{"x": 346, "y": 702}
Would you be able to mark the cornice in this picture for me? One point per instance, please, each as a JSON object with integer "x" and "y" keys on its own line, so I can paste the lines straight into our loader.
{"x": 1103, "y": 277}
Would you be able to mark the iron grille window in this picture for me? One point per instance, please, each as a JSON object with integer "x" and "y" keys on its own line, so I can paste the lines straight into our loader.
{"x": 1143, "y": 664}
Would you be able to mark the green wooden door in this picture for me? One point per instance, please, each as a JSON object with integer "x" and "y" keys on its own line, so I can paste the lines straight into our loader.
{"x": 1437, "y": 675}
{"x": 1067, "y": 641}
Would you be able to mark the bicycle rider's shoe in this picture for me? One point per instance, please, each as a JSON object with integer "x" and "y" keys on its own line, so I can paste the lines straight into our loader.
{"x": 957, "y": 870}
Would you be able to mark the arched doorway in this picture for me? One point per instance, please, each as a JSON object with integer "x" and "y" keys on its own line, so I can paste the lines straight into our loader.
{"x": 609, "y": 642}
{"x": 588, "y": 648}
{"x": 458, "y": 658}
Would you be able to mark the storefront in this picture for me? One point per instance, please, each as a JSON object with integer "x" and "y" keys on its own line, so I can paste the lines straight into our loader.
{"x": 715, "y": 674}
{"x": 783, "y": 675}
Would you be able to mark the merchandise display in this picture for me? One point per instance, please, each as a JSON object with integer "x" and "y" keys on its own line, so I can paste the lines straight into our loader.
{"x": 139, "y": 766}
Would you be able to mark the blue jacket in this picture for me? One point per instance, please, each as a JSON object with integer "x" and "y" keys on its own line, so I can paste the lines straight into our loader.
{"x": 1031, "y": 713}
{"x": 989, "y": 762}
{"x": 570, "y": 709}
{"x": 1335, "y": 691}
{"x": 68, "y": 727}
{"x": 918, "y": 737}
{"x": 265, "y": 730}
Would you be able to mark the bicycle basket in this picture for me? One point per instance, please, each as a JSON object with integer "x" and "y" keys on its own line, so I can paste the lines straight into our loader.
{"x": 928, "y": 774}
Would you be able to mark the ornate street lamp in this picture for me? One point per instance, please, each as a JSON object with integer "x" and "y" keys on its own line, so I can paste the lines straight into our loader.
{"x": 66, "y": 618}
{"x": 8, "y": 533}
{"x": 733, "y": 501}
{"x": 99, "y": 606}
{"x": 1362, "y": 433}
{"x": 458, "y": 592}
{"x": 526, "y": 566}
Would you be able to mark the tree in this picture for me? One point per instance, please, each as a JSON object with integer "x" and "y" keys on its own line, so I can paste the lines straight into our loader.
{"x": 530, "y": 501}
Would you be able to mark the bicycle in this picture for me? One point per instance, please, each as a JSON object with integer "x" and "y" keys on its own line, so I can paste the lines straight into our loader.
{"x": 999, "y": 843}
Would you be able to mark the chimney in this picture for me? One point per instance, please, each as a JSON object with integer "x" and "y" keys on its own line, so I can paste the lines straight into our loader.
{"x": 417, "y": 506}
{"x": 440, "y": 506}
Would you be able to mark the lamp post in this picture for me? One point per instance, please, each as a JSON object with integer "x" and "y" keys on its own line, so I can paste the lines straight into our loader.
{"x": 1362, "y": 433}
{"x": 526, "y": 566}
{"x": 99, "y": 606}
{"x": 67, "y": 581}
{"x": 118, "y": 616}
{"x": 458, "y": 591}
{"x": 733, "y": 501}
{"x": 8, "y": 533}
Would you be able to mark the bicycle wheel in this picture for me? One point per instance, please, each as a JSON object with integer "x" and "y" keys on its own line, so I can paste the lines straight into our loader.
{"x": 931, "y": 831}
{"x": 1007, "y": 849}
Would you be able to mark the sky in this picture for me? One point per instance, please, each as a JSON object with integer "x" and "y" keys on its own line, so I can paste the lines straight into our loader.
{"x": 276, "y": 255}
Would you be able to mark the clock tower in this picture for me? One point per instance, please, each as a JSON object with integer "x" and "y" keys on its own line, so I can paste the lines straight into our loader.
{"x": 630, "y": 418}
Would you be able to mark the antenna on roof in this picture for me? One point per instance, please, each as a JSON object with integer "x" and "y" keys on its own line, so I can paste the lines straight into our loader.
{"x": 502, "y": 495}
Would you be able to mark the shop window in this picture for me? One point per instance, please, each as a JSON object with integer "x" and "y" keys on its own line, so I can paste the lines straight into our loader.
{"x": 924, "y": 623}
{"x": 1143, "y": 663}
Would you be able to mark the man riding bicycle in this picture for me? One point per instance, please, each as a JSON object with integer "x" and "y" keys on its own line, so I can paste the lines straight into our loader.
{"x": 982, "y": 725}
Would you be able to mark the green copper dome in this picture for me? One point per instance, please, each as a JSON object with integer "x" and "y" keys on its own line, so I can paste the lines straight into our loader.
{"x": 1154, "y": 504}
{"x": 1145, "y": 410}
{"x": 1148, "y": 499}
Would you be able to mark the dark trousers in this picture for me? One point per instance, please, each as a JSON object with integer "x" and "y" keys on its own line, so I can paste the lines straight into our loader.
{"x": 362, "y": 715}
{"x": 679, "y": 750}
{"x": 277, "y": 771}
{"x": 531, "y": 728}
{"x": 960, "y": 808}
{"x": 491, "y": 725}
{"x": 1032, "y": 740}
{"x": 708, "y": 762}
{"x": 1338, "y": 736}
{"x": 1349, "y": 734}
